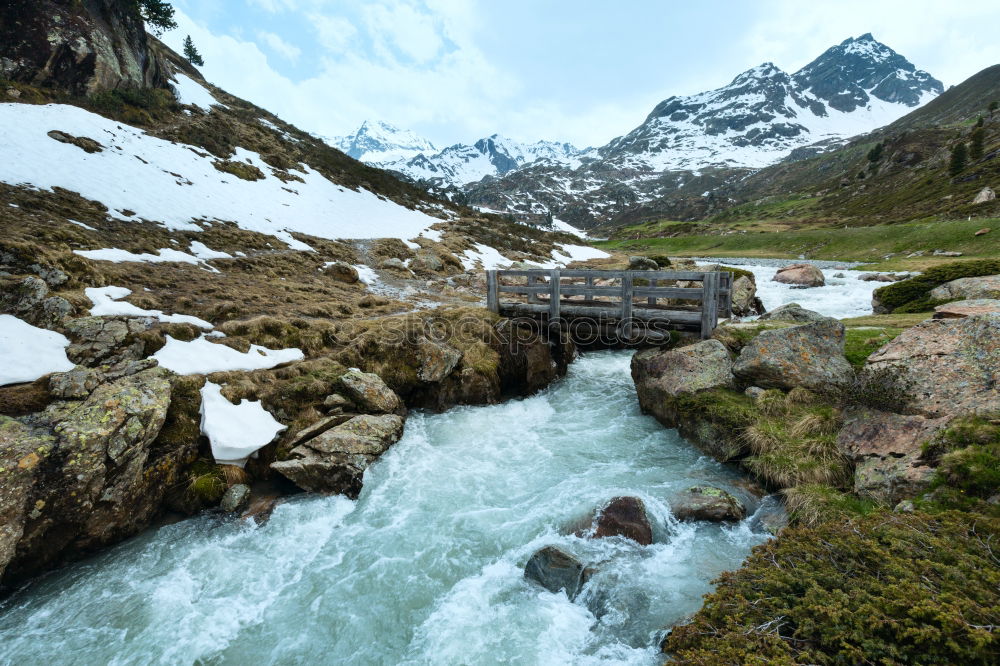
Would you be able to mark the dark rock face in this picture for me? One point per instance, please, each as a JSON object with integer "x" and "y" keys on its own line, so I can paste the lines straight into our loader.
{"x": 555, "y": 570}
{"x": 84, "y": 474}
{"x": 81, "y": 46}
{"x": 625, "y": 517}
{"x": 707, "y": 503}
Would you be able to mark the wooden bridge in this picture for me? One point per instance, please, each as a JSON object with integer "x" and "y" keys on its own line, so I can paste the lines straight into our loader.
{"x": 629, "y": 301}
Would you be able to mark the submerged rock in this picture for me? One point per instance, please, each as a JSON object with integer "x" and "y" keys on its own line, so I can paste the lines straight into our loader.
{"x": 662, "y": 376}
{"x": 805, "y": 275}
{"x": 335, "y": 461}
{"x": 707, "y": 503}
{"x": 946, "y": 366}
{"x": 810, "y": 356}
{"x": 555, "y": 570}
{"x": 792, "y": 312}
{"x": 624, "y": 517}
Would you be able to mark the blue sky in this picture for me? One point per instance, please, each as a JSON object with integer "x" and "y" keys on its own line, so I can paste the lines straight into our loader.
{"x": 583, "y": 71}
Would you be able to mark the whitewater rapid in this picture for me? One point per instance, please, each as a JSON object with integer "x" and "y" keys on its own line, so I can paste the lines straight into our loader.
{"x": 426, "y": 567}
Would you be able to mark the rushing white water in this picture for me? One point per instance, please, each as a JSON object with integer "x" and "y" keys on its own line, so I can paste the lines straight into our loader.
{"x": 427, "y": 566}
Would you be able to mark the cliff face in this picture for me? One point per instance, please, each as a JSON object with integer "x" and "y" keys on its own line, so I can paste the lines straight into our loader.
{"x": 79, "y": 46}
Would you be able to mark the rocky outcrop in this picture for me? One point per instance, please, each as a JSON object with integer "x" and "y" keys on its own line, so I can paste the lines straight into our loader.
{"x": 83, "y": 474}
{"x": 886, "y": 451}
{"x": 967, "y": 288}
{"x": 556, "y": 570}
{"x": 106, "y": 340}
{"x": 335, "y": 460}
{"x": 624, "y": 517}
{"x": 707, "y": 503}
{"x": 985, "y": 195}
{"x": 792, "y": 312}
{"x": 29, "y": 299}
{"x": 370, "y": 393}
{"x": 805, "y": 275}
{"x": 662, "y": 376}
{"x": 947, "y": 366}
{"x": 82, "y": 48}
{"x": 810, "y": 356}
{"x": 959, "y": 309}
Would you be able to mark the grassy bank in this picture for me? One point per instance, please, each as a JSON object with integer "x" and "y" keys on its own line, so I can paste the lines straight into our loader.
{"x": 867, "y": 244}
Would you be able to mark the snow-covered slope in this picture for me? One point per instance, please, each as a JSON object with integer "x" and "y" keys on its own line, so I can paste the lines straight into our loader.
{"x": 139, "y": 176}
{"x": 754, "y": 121}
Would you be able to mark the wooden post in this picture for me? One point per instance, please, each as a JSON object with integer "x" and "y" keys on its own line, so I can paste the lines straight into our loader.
{"x": 652, "y": 299}
{"x": 589, "y": 295}
{"x": 727, "y": 299}
{"x": 532, "y": 282}
{"x": 709, "y": 304}
{"x": 627, "y": 296}
{"x": 492, "y": 295}
{"x": 553, "y": 295}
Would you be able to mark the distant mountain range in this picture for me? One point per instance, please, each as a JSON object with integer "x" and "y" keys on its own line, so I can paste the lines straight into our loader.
{"x": 763, "y": 116}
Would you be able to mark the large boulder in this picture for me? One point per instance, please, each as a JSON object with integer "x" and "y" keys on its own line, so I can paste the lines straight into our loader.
{"x": 85, "y": 473}
{"x": 370, "y": 393}
{"x": 82, "y": 48}
{"x": 707, "y": 503}
{"x": 341, "y": 271}
{"x": 662, "y": 376}
{"x": 624, "y": 517}
{"x": 985, "y": 286}
{"x": 437, "y": 360}
{"x": 947, "y": 366}
{"x": 792, "y": 312}
{"x": 745, "y": 301}
{"x": 974, "y": 306}
{"x": 810, "y": 356}
{"x": 335, "y": 460}
{"x": 106, "y": 340}
{"x": 555, "y": 570}
{"x": 805, "y": 275}
{"x": 886, "y": 451}
{"x": 984, "y": 195}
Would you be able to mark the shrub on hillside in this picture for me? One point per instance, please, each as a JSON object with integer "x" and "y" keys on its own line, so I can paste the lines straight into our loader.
{"x": 884, "y": 589}
{"x": 913, "y": 294}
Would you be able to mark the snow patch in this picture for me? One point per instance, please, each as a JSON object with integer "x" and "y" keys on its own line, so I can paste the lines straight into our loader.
{"x": 489, "y": 258}
{"x": 191, "y": 93}
{"x": 202, "y": 357}
{"x": 235, "y": 431}
{"x": 366, "y": 274}
{"x": 28, "y": 352}
{"x": 107, "y": 302}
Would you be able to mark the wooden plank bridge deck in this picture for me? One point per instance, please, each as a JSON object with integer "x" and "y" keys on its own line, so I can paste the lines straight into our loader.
{"x": 626, "y": 300}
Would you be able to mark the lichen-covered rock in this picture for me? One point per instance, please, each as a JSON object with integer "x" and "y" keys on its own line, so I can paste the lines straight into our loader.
{"x": 335, "y": 461}
{"x": 959, "y": 309}
{"x": 80, "y": 381}
{"x": 661, "y": 376}
{"x": 437, "y": 360}
{"x": 555, "y": 570}
{"x": 624, "y": 517}
{"x": 83, "y": 474}
{"x": 29, "y": 300}
{"x": 426, "y": 261}
{"x": 886, "y": 451}
{"x": 792, "y": 312}
{"x": 707, "y": 503}
{"x": 810, "y": 356}
{"x": 370, "y": 393}
{"x": 106, "y": 340}
{"x": 947, "y": 366}
{"x": 986, "y": 286}
{"x": 805, "y": 275}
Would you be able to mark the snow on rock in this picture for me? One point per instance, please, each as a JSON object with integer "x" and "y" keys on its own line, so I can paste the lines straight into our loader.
{"x": 489, "y": 258}
{"x": 107, "y": 302}
{"x": 202, "y": 357}
{"x": 235, "y": 431}
{"x": 201, "y": 251}
{"x": 317, "y": 207}
{"x": 366, "y": 274}
{"x": 28, "y": 352}
{"x": 559, "y": 225}
{"x": 190, "y": 92}
{"x": 117, "y": 256}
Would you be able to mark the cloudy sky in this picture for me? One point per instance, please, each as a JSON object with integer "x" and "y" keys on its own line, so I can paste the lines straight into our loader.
{"x": 582, "y": 71}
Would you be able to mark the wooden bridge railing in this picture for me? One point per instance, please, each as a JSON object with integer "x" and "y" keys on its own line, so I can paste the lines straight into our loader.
{"x": 638, "y": 297}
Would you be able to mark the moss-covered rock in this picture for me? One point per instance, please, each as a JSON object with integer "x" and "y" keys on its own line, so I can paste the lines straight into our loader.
{"x": 714, "y": 421}
{"x": 662, "y": 376}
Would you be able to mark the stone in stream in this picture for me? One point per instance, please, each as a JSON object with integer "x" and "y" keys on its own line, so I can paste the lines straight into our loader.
{"x": 792, "y": 312}
{"x": 810, "y": 356}
{"x": 555, "y": 570}
{"x": 236, "y": 496}
{"x": 625, "y": 517}
{"x": 804, "y": 275}
{"x": 371, "y": 393}
{"x": 707, "y": 503}
{"x": 662, "y": 377}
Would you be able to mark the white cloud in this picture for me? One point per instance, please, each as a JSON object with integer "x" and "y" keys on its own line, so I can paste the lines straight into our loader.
{"x": 280, "y": 46}
{"x": 335, "y": 33}
{"x": 401, "y": 27}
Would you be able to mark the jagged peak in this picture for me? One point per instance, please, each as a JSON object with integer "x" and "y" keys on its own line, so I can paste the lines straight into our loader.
{"x": 765, "y": 70}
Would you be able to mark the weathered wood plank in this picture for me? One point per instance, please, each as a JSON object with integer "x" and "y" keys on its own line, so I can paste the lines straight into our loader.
{"x": 627, "y": 297}
{"x": 709, "y": 308}
{"x": 611, "y": 313}
{"x": 554, "y": 294}
{"x": 492, "y": 296}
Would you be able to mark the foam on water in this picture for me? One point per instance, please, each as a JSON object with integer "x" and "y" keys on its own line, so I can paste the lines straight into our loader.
{"x": 426, "y": 567}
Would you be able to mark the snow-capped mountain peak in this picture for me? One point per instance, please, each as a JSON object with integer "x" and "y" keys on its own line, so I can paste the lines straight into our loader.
{"x": 377, "y": 141}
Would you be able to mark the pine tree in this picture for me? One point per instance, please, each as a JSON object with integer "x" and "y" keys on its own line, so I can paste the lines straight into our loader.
{"x": 976, "y": 143}
{"x": 979, "y": 121}
{"x": 191, "y": 53}
{"x": 993, "y": 106}
{"x": 875, "y": 154}
{"x": 959, "y": 154}
{"x": 158, "y": 14}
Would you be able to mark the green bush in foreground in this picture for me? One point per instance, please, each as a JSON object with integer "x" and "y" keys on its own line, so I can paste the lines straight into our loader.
{"x": 885, "y": 589}
{"x": 913, "y": 295}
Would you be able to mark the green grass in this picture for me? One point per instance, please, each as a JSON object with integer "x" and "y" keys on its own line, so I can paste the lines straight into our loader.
{"x": 868, "y": 244}
{"x": 860, "y": 343}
